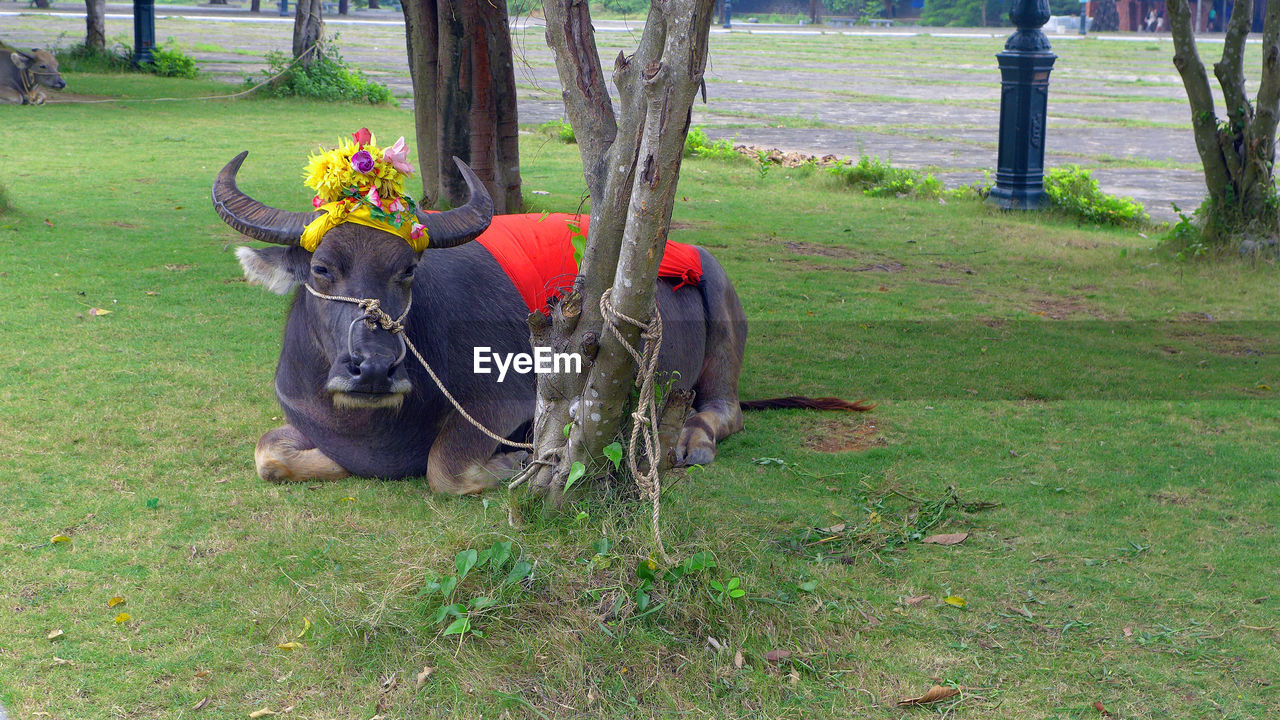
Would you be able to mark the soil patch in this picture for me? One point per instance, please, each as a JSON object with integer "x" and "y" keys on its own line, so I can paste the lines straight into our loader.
{"x": 835, "y": 436}
{"x": 1061, "y": 308}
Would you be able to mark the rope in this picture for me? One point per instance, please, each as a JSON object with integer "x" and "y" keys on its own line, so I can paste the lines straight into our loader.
{"x": 644, "y": 425}
{"x": 375, "y": 316}
{"x": 242, "y": 93}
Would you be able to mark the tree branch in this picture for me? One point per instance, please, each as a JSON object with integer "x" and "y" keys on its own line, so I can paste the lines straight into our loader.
{"x": 1204, "y": 120}
{"x": 1230, "y": 69}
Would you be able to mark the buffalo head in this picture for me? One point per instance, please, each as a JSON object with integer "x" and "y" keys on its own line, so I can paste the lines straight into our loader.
{"x": 41, "y": 66}
{"x": 352, "y": 261}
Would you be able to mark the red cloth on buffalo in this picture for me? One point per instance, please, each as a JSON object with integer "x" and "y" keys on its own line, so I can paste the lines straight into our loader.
{"x": 536, "y": 251}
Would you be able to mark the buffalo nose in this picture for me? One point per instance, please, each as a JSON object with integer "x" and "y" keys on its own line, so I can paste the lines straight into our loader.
{"x": 370, "y": 370}
{"x": 60, "y": 84}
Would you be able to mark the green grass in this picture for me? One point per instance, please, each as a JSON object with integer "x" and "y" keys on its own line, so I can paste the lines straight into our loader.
{"x": 1069, "y": 375}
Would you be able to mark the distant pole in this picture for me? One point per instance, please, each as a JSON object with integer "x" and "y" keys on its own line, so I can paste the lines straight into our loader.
{"x": 728, "y": 12}
{"x": 284, "y": 8}
{"x": 144, "y": 31}
{"x": 1024, "y": 100}
{"x": 1084, "y": 16}
{"x": 1199, "y": 19}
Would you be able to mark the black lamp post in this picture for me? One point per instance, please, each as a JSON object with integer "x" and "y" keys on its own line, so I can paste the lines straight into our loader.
{"x": 1024, "y": 98}
{"x": 144, "y": 31}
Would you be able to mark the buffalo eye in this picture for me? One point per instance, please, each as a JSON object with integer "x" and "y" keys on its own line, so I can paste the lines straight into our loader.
{"x": 406, "y": 275}
{"x": 321, "y": 271}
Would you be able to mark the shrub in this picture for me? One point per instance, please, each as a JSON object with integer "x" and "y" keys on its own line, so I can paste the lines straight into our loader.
{"x": 4, "y": 200}
{"x": 170, "y": 61}
{"x": 696, "y": 144}
{"x": 166, "y": 61}
{"x": 326, "y": 78}
{"x": 879, "y": 179}
{"x": 1073, "y": 190}
{"x": 559, "y": 129}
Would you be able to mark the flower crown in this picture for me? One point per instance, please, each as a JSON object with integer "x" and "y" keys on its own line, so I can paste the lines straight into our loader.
{"x": 358, "y": 181}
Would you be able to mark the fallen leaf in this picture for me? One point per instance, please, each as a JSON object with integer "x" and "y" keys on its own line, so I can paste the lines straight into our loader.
{"x": 947, "y": 539}
{"x": 777, "y": 656}
{"x": 793, "y": 677}
{"x": 59, "y": 661}
{"x": 954, "y": 601}
{"x": 122, "y": 618}
{"x": 291, "y": 645}
{"x": 1097, "y": 705}
{"x": 260, "y": 713}
{"x": 306, "y": 625}
{"x": 202, "y": 673}
{"x": 425, "y": 674}
{"x": 98, "y": 311}
{"x": 347, "y": 499}
{"x": 936, "y": 693}
{"x": 151, "y": 292}
{"x": 738, "y": 660}
{"x": 916, "y": 600}
{"x": 117, "y": 600}
{"x": 200, "y": 705}
{"x": 59, "y": 539}
{"x": 834, "y": 528}
{"x": 1021, "y": 611}
{"x": 48, "y": 222}
{"x": 1128, "y": 631}
{"x": 56, "y": 634}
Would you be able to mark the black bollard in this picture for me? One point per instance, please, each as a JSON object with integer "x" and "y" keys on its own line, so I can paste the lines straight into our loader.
{"x": 1024, "y": 98}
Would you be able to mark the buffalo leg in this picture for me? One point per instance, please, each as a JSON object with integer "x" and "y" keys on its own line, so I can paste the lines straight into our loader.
{"x": 463, "y": 461}
{"x": 286, "y": 455}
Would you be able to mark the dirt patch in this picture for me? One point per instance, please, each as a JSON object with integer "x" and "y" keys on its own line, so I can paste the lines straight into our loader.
{"x": 802, "y": 248}
{"x": 835, "y": 436}
{"x": 949, "y": 282}
{"x": 1234, "y": 345}
{"x": 1061, "y": 308}
{"x": 1176, "y": 496}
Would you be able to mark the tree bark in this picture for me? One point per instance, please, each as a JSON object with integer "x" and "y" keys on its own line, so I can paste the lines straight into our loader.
{"x": 255, "y": 6}
{"x": 1238, "y": 154}
{"x": 308, "y": 29}
{"x": 95, "y": 22}
{"x": 42, "y": 4}
{"x": 631, "y": 162}
{"x": 463, "y": 75}
{"x": 344, "y": 7}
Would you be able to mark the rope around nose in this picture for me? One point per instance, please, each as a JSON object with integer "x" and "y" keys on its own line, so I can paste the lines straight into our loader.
{"x": 375, "y": 316}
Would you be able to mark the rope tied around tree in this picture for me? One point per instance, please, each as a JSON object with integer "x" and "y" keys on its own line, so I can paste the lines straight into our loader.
{"x": 645, "y": 418}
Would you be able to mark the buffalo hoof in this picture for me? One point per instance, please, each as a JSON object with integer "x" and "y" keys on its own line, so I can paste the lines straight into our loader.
{"x": 286, "y": 455}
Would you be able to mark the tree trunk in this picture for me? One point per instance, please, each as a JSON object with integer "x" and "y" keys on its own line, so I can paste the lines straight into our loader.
{"x": 1105, "y": 16}
{"x": 373, "y": 5}
{"x": 464, "y": 98}
{"x": 95, "y": 20}
{"x": 255, "y": 6}
{"x": 631, "y": 163}
{"x": 1237, "y": 153}
{"x": 43, "y": 4}
{"x": 308, "y": 29}
{"x": 344, "y": 7}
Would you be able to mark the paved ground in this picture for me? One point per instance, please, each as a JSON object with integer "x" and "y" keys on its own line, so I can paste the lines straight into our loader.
{"x": 917, "y": 97}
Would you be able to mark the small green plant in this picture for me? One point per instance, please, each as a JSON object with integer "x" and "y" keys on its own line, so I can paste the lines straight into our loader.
{"x": 876, "y": 178}
{"x": 1186, "y": 237}
{"x": 4, "y": 200}
{"x": 731, "y": 590}
{"x": 1073, "y": 190}
{"x": 169, "y": 61}
{"x": 765, "y": 164}
{"x": 464, "y": 608}
{"x": 560, "y": 130}
{"x": 696, "y": 144}
{"x": 327, "y": 77}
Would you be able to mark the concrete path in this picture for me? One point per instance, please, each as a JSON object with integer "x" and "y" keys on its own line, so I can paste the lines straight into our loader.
{"x": 922, "y": 97}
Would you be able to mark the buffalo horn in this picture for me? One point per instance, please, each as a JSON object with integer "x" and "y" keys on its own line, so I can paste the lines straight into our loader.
{"x": 460, "y": 225}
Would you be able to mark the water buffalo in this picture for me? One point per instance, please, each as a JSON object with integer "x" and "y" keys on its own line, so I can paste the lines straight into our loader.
{"x": 22, "y": 75}
{"x": 355, "y": 405}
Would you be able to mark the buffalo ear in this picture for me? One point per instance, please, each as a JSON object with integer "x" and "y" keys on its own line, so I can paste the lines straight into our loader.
{"x": 19, "y": 60}
{"x": 278, "y": 269}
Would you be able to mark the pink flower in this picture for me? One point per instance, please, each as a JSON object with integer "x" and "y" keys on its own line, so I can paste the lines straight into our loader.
{"x": 396, "y": 156}
{"x": 373, "y": 196}
{"x": 417, "y": 230}
{"x": 316, "y": 202}
{"x": 396, "y": 206}
{"x": 362, "y": 136}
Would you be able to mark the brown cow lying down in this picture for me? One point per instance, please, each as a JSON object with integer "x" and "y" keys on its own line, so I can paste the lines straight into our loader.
{"x": 24, "y": 74}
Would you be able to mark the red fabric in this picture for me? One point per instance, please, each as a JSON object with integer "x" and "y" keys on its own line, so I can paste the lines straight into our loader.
{"x": 536, "y": 251}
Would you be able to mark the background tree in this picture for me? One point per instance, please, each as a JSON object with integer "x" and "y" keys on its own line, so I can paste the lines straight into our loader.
{"x": 464, "y": 98}
{"x": 1105, "y": 16}
{"x": 308, "y": 29}
{"x": 1238, "y": 150}
{"x": 95, "y": 27}
{"x": 631, "y": 161}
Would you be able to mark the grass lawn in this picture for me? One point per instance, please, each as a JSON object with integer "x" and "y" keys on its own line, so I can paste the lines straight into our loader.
{"x": 1102, "y": 420}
